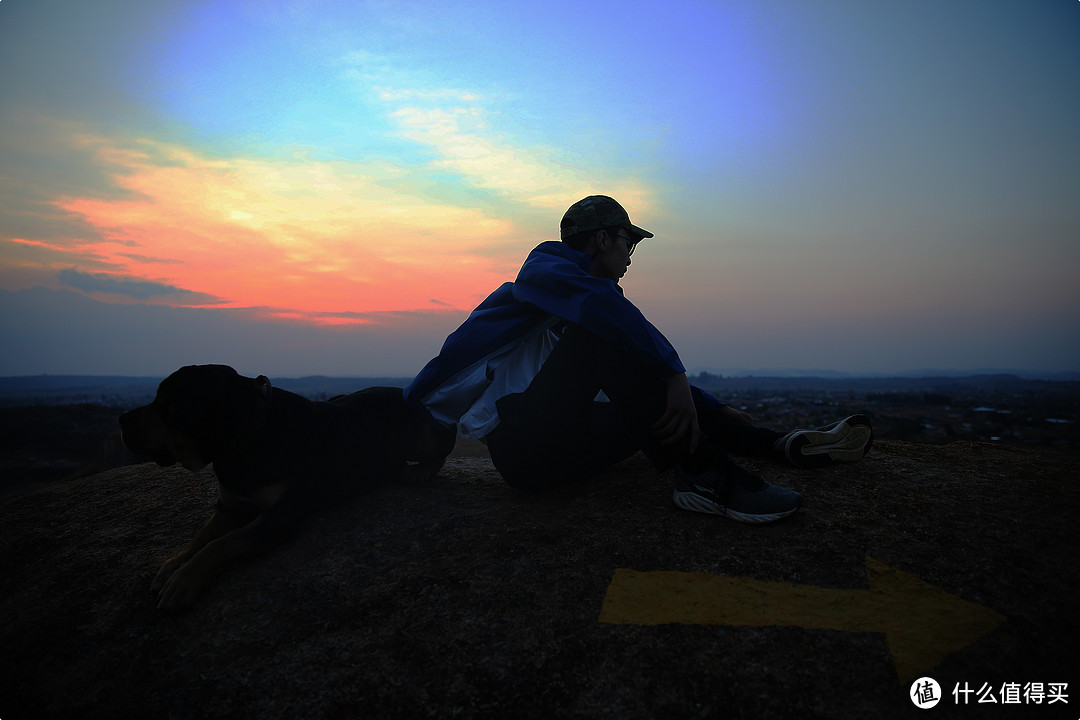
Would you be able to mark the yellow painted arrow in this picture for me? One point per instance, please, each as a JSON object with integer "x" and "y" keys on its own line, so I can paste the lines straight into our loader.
{"x": 922, "y": 624}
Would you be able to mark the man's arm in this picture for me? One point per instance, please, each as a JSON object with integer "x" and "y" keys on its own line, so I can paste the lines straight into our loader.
{"x": 679, "y": 421}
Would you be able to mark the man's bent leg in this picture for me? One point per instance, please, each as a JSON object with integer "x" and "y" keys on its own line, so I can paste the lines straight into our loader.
{"x": 548, "y": 434}
{"x": 729, "y": 434}
{"x": 555, "y": 432}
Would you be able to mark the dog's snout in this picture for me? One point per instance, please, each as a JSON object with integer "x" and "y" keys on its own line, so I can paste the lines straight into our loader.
{"x": 132, "y": 431}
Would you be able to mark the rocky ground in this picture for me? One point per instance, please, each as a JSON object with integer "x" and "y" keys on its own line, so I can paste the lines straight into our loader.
{"x": 464, "y": 598}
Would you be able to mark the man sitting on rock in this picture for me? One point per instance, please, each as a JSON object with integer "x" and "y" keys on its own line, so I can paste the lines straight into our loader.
{"x": 562, "y": 376}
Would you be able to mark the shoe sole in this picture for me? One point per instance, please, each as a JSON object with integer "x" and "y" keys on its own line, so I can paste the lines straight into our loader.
{"x": 849, "y": 441}
{"x": 696, "y": 503}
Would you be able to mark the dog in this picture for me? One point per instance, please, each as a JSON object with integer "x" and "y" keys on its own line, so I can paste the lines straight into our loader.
{"x": 277, "y": 456}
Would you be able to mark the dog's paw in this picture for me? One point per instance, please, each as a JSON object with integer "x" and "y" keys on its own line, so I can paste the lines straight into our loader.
{"x": 167, "y": 569}
{"x": 182, "y": 588}
{"x": 421, "y": 472}
{"x": 413, "y": 474}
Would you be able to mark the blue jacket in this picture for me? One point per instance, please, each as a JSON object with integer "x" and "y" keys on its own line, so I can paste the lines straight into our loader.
{"x": 553, "y": 281}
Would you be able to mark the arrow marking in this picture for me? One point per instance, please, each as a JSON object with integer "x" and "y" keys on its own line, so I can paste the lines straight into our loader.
{"x": 922, "y": 624}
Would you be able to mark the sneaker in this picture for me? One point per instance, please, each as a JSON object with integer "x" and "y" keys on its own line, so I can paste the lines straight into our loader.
{"x": 845, "y": 440}
{"x": 734, "y": 493}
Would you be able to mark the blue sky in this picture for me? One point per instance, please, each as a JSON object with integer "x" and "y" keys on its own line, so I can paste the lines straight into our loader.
{"x": 328, "y": 187}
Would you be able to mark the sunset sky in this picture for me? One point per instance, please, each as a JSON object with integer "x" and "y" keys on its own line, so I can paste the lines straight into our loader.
{"x": 328, "y": 187}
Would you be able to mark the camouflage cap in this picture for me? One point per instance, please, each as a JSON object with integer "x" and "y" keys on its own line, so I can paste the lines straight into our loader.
{"x": 597, "y": 212}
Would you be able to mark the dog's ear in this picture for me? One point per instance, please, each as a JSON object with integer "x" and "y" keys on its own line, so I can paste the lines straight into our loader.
{"x": 263, "y": 383}
{"x": 257, "y": 396}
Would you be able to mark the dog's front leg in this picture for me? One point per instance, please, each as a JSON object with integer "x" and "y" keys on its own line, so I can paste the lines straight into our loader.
{"x": 183, "y": 586}
{"x": 222, "y": 522}
{"x": 422, "y": 471}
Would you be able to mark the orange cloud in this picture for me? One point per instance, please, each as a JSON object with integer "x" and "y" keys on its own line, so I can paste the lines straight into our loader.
{"x": 311, "y": 238}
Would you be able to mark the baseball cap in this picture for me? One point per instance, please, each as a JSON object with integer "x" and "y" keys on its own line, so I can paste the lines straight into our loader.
{"x": 595, "y": 213}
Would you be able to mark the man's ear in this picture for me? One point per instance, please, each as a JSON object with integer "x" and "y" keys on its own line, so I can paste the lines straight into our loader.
{"x": 601, "y": 239}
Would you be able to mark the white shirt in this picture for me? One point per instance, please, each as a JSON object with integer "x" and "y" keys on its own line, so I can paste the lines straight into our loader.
{"x": 472, "y": 393}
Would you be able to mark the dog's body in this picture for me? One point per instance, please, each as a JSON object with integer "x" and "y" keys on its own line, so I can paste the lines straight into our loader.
{"x": 277, "y": 457}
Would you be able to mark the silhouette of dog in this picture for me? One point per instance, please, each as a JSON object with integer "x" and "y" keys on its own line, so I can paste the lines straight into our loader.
{"x": 277, "y": 457}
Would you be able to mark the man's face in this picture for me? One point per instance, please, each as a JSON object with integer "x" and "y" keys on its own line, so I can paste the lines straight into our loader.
{"x": 613, "y": 254}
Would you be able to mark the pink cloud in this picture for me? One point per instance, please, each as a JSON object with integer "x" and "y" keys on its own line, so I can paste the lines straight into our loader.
{"x": 313, "y": 239}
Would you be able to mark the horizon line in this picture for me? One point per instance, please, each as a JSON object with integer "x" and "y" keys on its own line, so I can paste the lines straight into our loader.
{"x": 721, "y": 373}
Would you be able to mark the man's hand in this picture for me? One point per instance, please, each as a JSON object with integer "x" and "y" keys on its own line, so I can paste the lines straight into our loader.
{"x": 679, "y": 421}
{"x": 736, "y": 415}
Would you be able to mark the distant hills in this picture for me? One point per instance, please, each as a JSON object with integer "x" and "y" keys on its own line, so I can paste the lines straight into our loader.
{"x": 130, "y": 391}
{"x": 116, "y": 390}
{"x": 1070, "y": 376}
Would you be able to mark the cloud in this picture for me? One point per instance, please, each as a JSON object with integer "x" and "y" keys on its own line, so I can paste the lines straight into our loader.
{"x": 138, "y": 289}
{"x": 313, "y": 237}
{"x": 42, "y": 158}
{"x": 317, "y": 237}
{"x": 457, "y": 124}
{"x": 151, "y": 260}
{"x": 466, "y": 144}
{"x": 434, "y": 95}
{"x": 290, "y": 232}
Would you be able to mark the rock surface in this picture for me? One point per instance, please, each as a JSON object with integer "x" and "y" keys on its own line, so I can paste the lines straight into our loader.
{"x": 464, "y": 598}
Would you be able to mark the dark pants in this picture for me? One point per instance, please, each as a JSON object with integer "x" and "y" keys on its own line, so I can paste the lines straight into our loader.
{"x": 727, "y": 433}
{"x": 555, "y": 432}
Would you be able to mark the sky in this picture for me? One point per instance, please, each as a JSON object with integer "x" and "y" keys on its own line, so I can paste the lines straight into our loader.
{"x": 309, "y": 187}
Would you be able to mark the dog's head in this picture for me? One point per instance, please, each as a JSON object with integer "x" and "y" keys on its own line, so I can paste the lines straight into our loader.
{"x": 199, "y": 412}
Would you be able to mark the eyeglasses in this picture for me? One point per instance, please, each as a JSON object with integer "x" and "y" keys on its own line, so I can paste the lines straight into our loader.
{"x": 631, "y": 243}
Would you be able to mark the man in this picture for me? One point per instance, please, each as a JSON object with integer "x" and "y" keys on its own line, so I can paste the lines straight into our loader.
{"x": 562, "y": 376}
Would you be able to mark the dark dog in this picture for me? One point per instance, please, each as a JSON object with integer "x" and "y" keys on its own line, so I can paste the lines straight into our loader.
{"x": 277, "y": 456}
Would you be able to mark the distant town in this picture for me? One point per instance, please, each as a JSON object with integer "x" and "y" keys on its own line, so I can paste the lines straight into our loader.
{"x": 1000, "y": 408}
{"x": 55, "y": 427}
{"x": 987, "y": 408}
